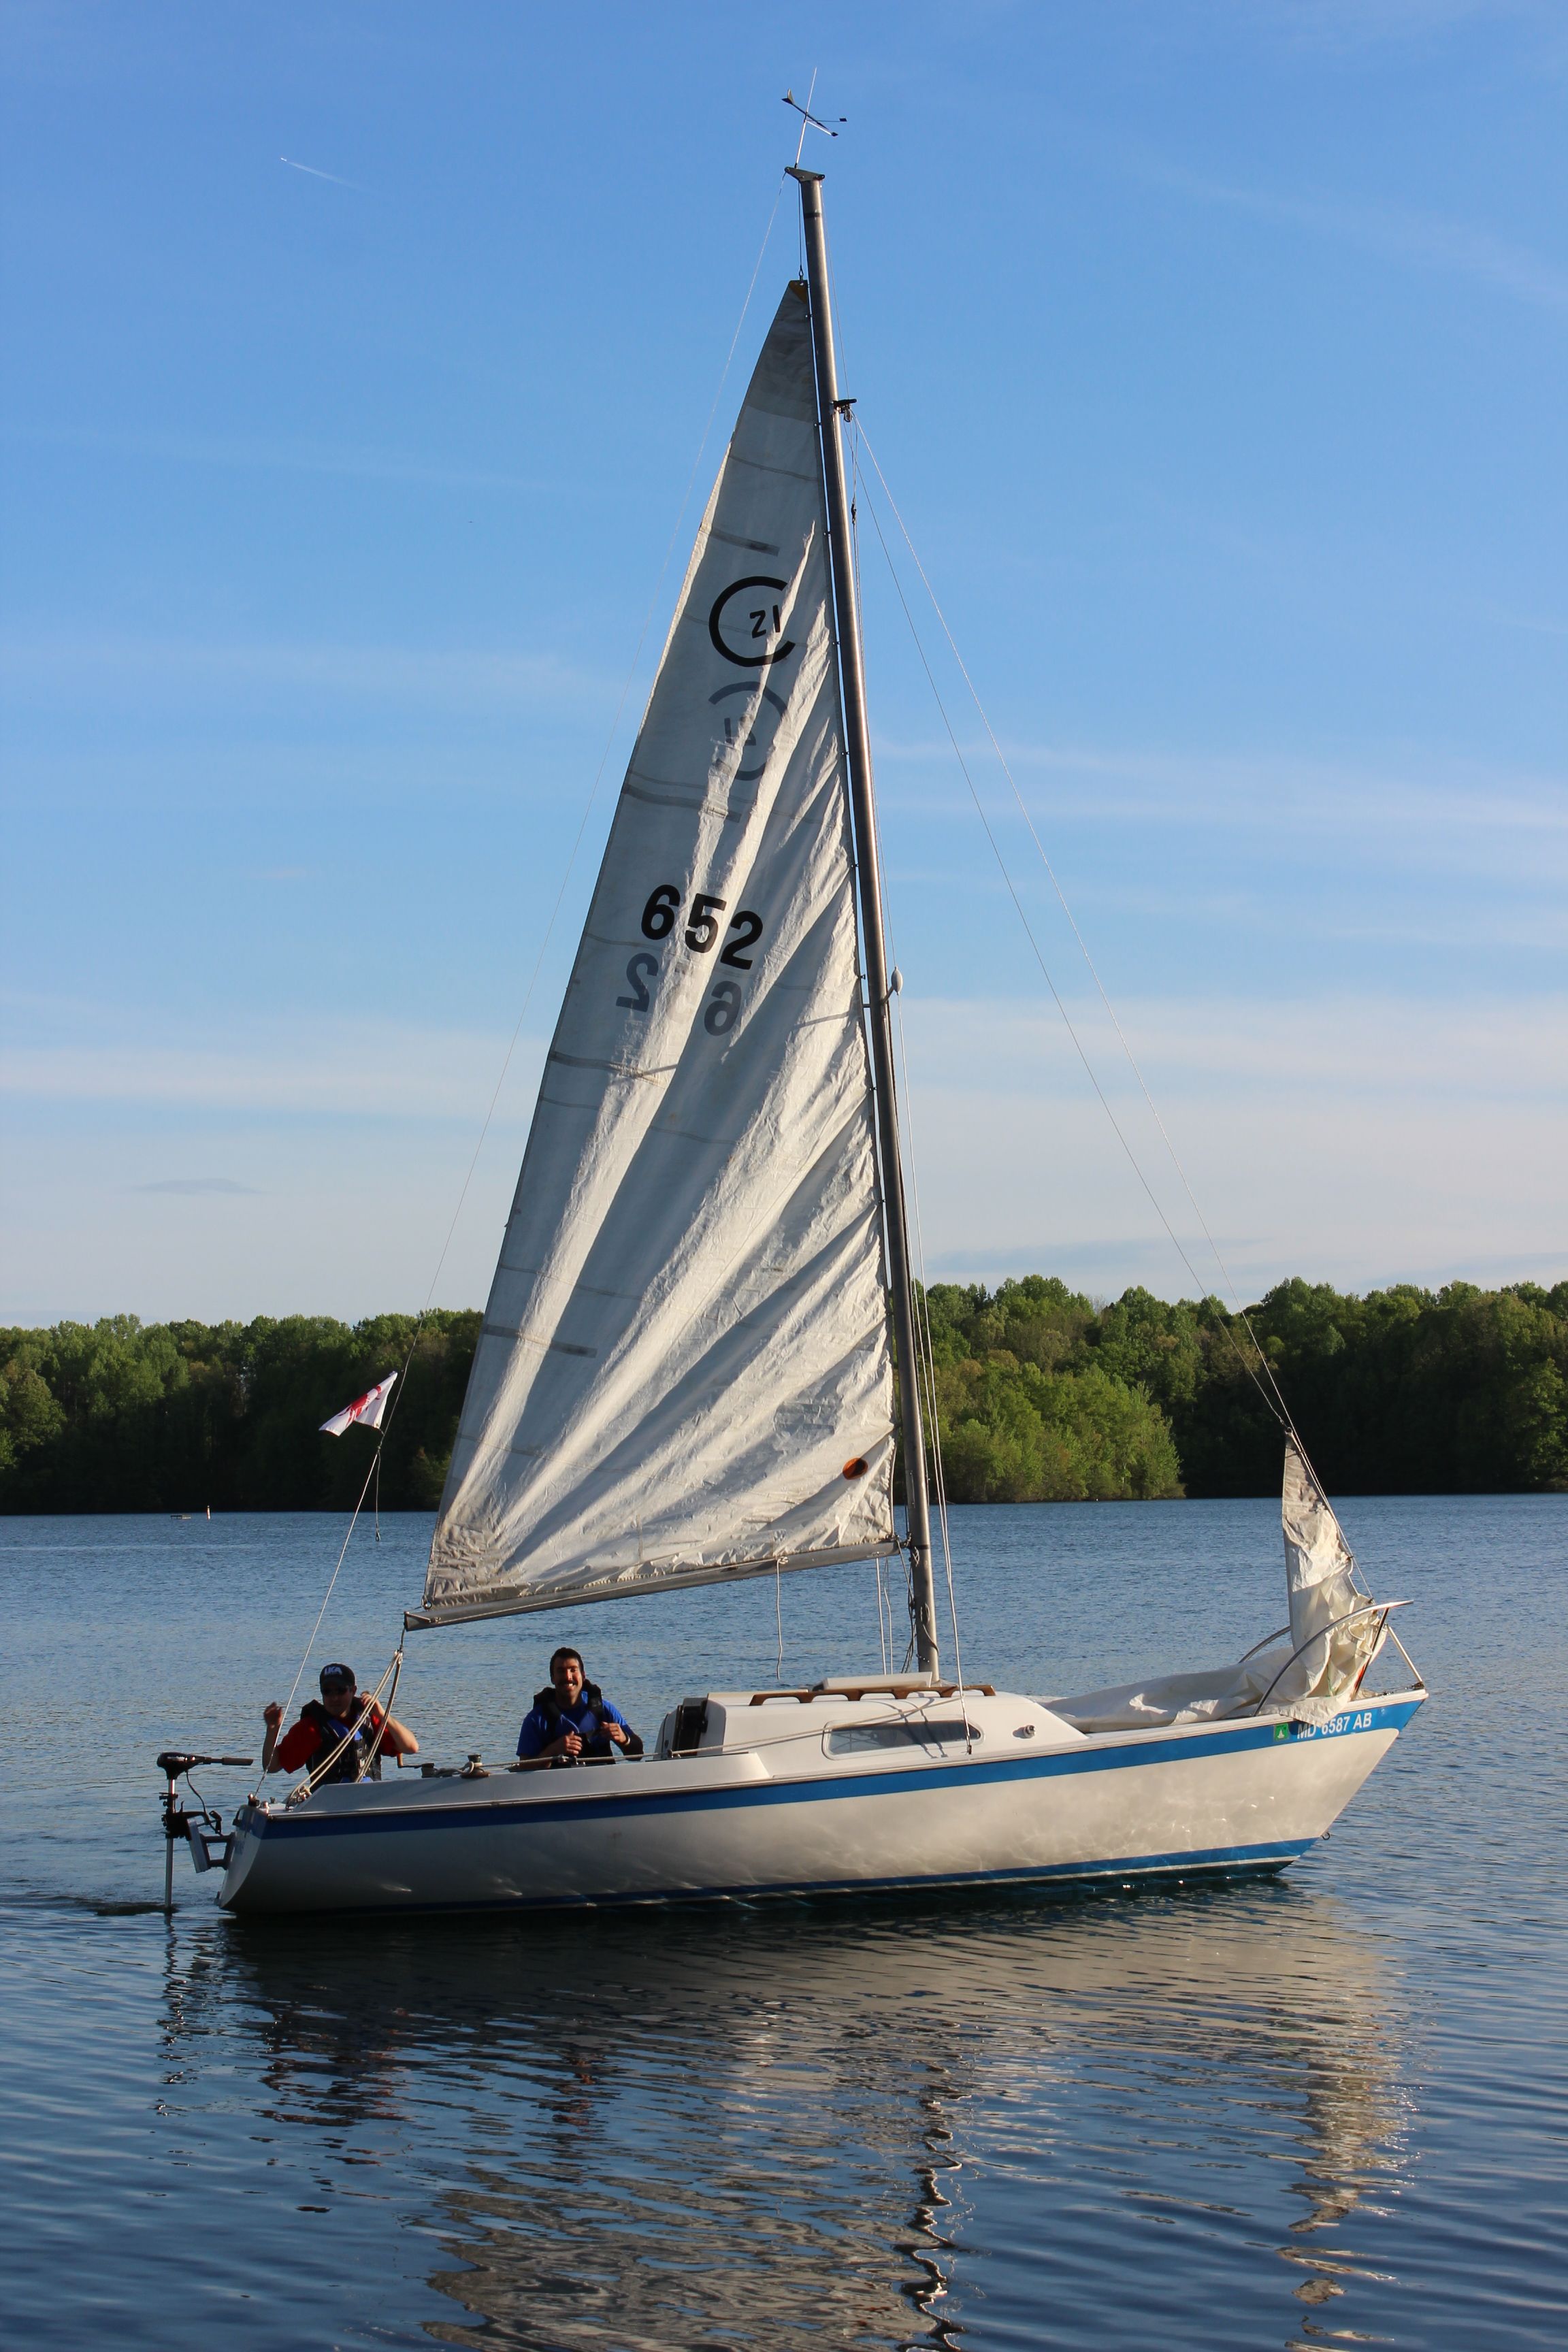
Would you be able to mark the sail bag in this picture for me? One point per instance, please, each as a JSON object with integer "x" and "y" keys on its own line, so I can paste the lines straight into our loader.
{"x": 683, "y": 1374}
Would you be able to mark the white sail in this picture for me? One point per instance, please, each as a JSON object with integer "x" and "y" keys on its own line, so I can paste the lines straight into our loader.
{"x": 1310, "y": 1670}
{"x": 683, "y": 1374}
{"x": 1320, "y": 1577}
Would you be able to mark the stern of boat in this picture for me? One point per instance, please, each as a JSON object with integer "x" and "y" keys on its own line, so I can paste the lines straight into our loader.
{"x": 244, "y": 1846}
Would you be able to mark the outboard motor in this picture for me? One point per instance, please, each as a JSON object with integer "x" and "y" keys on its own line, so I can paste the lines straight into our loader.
{"x": 198, "y": 1825}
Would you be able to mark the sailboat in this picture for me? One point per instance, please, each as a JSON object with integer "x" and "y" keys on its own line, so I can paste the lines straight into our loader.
{"x": 685, "y": 1370}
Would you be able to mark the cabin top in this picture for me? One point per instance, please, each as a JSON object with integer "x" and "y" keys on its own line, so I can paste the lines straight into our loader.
{"x": 852, "y": 1715}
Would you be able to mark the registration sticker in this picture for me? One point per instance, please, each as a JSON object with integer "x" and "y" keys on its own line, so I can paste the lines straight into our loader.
{"x": 1337, "y": 1725}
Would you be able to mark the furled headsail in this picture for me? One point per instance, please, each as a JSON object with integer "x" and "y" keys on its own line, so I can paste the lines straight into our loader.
{"x": 1310, "y": 1668}
{"x": 683, "y": 1375}
{"x": 1333, "y": 1633}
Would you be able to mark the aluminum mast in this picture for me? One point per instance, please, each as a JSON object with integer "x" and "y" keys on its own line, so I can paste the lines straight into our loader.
{"x": 923, "y": 1596}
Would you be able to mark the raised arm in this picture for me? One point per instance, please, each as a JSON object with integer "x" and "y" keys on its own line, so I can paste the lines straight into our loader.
{"x": 397, "y": 1739}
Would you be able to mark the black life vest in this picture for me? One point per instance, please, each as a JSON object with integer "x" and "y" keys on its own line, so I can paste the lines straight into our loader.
{"x": 340, "y": 1748}
{"x": 596, "y": 1744}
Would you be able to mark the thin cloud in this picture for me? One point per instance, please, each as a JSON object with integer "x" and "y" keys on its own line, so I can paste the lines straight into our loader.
{"x": 44, "y": 666}
{"x": 314, "y": 1069}
{"x": 1341, "y": 1044}
{"x": 1353, "y": 1137}
{"x": 1150, "y": 1259}
{"x": 1395, "y": 232}
{"x": 193, "y": 1184}
{"x": 1536, "y": 626}
{"x": 1509, "y": 821}
{"x": 1348, "y": 26}
{"x": 1106, "y": 1267}
{"x": 288, "y": 456}
{"x": 1338, "y": 1046}
{"x": 314, "y": 174}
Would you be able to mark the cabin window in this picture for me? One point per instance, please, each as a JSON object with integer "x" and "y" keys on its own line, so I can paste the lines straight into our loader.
{"x": 865, "y": 1738}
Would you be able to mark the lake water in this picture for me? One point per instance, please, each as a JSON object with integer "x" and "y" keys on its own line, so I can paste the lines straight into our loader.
{"x": 1328, "y": 2109}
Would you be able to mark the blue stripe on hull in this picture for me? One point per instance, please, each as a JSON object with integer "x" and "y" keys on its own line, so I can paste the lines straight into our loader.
{"x": 548, "y": 1811}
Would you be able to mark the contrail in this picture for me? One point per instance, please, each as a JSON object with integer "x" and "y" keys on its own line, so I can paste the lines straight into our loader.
{"x": 321, "y": 175}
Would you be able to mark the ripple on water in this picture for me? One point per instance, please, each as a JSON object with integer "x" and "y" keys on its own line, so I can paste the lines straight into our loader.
{"x": 1325, "y": 2109}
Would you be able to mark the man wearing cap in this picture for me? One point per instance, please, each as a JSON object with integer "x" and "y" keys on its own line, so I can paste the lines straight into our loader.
{"x": 329, "y": 1738}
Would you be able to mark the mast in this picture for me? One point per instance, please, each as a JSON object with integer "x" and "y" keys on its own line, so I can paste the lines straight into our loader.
{"x": 922, "y": 1595}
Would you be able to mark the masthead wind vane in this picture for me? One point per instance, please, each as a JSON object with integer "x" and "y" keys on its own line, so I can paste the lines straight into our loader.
{"x": 807, "y": 119}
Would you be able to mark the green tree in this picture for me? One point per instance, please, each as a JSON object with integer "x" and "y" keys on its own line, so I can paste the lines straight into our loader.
{"x": 1043, "y": 1396}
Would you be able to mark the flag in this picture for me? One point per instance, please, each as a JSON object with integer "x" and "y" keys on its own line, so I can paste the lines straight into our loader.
{"x": 365, "y": 1411}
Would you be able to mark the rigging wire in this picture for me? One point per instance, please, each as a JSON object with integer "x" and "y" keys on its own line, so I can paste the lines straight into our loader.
{"x": 925, "y": 1356}
{"x": 1278, "y": 1407}
{"x": 609, "y": 741}
{"x": 925, "y": 1344}
{"x": 396, "y": 1398}
{"x": 305, "y": 1656}
{"x": 928, "y": 1352}
{"x": 855, "y": 591}
{"x": 1275, "y": 1404}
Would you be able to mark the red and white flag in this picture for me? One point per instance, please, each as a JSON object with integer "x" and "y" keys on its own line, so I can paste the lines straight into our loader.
{"x": 365, "y": 1412}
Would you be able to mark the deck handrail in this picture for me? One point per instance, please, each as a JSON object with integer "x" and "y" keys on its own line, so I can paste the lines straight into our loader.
{"x": 1368, "y": 1609}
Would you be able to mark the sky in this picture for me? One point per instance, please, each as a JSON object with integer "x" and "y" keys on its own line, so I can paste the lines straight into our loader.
{"x": 364, "y": 367}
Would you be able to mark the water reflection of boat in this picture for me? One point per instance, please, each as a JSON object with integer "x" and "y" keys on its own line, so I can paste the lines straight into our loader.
{"x": 685, "y": 1372}
{"x": 729, "y": 2128}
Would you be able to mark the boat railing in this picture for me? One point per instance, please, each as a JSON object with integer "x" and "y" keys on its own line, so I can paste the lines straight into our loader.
{"x": 853, "y": 1687}
{"x": 1381, "y": 1609}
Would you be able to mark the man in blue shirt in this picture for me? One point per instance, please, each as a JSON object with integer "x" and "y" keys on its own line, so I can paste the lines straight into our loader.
{"x": 571, "y": 1721}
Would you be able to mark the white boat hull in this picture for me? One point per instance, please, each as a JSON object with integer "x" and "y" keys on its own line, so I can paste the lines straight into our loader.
{"x": 1195, "y": 1799}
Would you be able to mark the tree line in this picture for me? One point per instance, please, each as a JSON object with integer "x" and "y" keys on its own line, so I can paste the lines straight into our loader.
{"x": 1043, "y": 1395}
{"x": 121, "y": 1415}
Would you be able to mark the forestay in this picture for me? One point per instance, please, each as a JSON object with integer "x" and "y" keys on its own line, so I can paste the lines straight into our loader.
{"x": 683, "y": 1374}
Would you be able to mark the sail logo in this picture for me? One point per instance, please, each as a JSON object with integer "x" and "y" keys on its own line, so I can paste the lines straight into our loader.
{"x": 745, "y": 622}
{"x": 754, "y": 747}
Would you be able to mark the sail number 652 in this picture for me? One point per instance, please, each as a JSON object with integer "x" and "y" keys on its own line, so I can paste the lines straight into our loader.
{"x": 703, "y": 928}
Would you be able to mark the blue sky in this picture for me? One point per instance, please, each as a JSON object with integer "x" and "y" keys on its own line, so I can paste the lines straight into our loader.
{"x": 1215, "y": 356}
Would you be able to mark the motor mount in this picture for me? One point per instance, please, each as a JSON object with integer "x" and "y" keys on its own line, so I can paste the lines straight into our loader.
{"x": 200, "y": 1825}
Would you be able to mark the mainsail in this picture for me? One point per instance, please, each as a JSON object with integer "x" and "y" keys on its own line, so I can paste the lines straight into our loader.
{"x": 683, "y": 1374}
